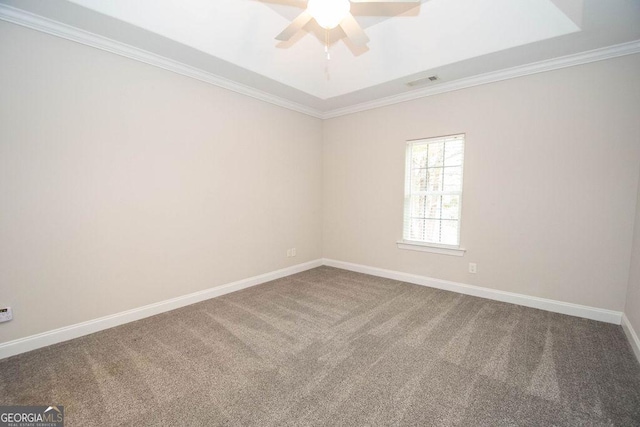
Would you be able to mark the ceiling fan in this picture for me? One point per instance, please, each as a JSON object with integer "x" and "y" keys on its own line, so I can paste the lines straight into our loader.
{"x": 332, "y": 13}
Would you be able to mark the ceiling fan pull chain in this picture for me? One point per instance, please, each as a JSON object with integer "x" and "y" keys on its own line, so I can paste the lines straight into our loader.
{"x": 326, "y": 44}
{"x": 327, "y": 74}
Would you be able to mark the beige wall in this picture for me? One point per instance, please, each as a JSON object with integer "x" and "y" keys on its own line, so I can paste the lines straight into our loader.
{"x": 632, "y": 306}
{"x": 551, "y": 174}
{"x": 122, "y": 184}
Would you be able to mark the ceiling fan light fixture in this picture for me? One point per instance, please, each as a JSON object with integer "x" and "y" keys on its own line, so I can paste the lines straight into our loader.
{"x": 328, "y": 13}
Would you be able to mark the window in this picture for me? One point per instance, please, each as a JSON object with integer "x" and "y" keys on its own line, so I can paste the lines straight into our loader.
{"x": 433, "y": 192}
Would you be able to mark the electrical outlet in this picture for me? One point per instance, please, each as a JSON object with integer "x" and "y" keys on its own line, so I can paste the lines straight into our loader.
{"x": 293, "y": 251}
{"x": 473, "y": 268}
{"x": 5, "y": 314}
{"x": 288, "y": 253}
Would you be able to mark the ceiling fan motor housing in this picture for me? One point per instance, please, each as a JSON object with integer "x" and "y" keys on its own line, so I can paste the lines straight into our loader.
{"x": 328, "y": 13}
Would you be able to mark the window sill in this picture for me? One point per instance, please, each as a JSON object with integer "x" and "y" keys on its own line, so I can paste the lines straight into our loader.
{"x": 426, "y": 247}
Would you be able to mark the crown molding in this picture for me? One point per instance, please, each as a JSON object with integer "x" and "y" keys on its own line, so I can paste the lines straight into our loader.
{"x": 45, "y": 25}
{"x": 49, "y": 26}
{"x": 495, "y": 76}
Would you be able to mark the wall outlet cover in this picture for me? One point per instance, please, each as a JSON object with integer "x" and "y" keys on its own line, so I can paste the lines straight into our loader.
{"x": 5, "y": 314}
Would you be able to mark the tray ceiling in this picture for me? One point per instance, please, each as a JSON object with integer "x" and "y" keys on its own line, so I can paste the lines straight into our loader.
{"x": 455, "y": 39}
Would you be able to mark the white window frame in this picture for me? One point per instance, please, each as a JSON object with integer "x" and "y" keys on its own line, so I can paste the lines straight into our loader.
{"x": 424, "y": 246}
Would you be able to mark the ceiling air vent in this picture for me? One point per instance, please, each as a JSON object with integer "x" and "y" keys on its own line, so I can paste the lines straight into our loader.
{"x": 423, "y": 81}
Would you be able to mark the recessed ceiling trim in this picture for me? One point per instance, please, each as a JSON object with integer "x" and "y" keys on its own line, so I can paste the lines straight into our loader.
{"x": 45, "y": 25}
{"x": 495, "y": 76}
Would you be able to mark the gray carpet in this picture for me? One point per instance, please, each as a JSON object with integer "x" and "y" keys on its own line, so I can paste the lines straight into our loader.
{"x": 332, "y": 347}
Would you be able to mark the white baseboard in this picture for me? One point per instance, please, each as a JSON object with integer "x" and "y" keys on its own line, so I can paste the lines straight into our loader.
{"x": 66, "y": 333}
{"x": 631, "y": 335}
{"x": 592, "y": 313}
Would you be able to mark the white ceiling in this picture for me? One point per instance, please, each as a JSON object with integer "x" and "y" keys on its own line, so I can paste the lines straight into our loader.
{"x": 439, "y": 32}
{"x": 455, "y": 39}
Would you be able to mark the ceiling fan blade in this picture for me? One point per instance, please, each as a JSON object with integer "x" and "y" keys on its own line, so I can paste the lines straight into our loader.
{"x": 354, "y": 31}
{"x": 385, "y": 1}
{"x": 295, "y": 26}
